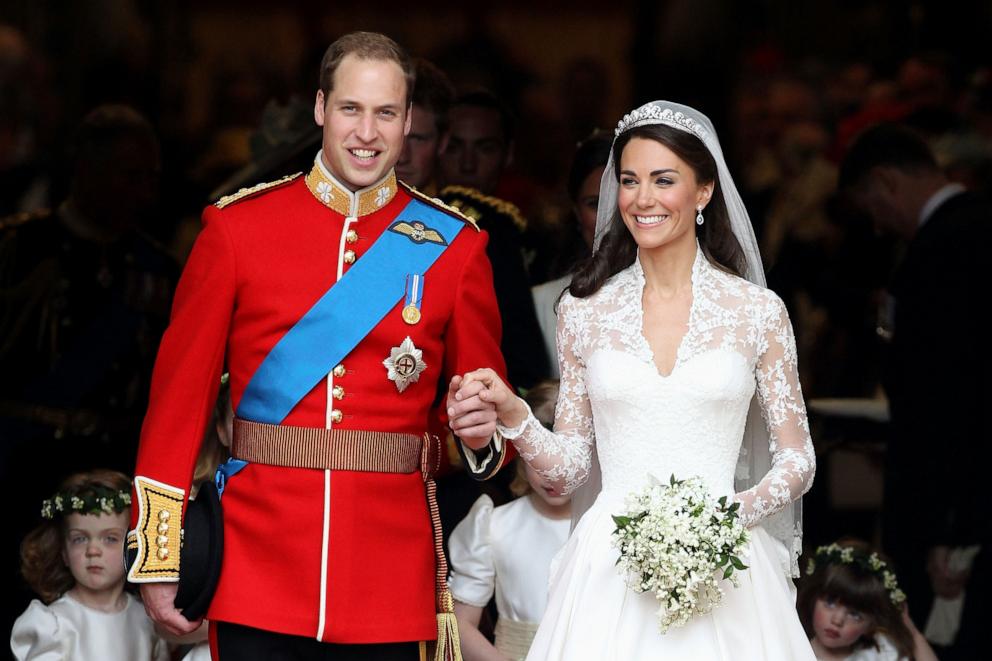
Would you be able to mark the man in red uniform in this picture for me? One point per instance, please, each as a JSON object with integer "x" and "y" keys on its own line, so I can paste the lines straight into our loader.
{"x": 340, "y": 302}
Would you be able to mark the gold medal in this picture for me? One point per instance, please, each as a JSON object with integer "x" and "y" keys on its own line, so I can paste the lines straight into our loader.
{"x": 411, "y": 314}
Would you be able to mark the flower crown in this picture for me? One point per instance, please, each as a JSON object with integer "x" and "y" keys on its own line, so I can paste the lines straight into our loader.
{"x": 92, "y": 499}
{"x": 847, "y": 555}
{"x": 653, "y": 114}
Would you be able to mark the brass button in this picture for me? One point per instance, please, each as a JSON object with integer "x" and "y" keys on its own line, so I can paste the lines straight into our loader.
{"x": 339, "y": 371}
{"x": 337, "y": 392}
{"x": 163, "y": 553}
{"x": 161, "y": 541}
{"x": 351, "y": 236}
{"x": 163, "y": 515}
{"x": 336, "y": 416}
{"x": 349, "y": 256}
{"x": 163, "y": 528}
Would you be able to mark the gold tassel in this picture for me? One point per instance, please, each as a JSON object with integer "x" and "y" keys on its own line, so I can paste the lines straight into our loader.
{"x": 449, "y": 647}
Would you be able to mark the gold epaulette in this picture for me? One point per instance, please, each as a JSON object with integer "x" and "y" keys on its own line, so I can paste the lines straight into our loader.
{"x": 157, "y": 537}
{"x": 500, "y": 206}
{"x": 22, "y": 217}
{"x": 251, "y": 191}
{"x": 438, "y": 203}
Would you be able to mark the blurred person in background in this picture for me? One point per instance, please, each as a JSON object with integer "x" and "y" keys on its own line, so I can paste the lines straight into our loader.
{"x": 937, "y": 374}
{"x": 428, "y": 137}
{"x": 84, "y": 299}
{"x": 479, "y": 148}
{"x": 583, "y": 191}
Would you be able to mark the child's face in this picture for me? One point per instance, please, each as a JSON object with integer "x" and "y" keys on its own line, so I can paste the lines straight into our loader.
{"x": 836, "y": 625}
{"x": 94, "y": 549}
{"x": 543, "y": 489}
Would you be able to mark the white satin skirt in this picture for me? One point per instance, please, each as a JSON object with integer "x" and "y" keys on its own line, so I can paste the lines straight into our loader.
{"x": 592, "y": 614}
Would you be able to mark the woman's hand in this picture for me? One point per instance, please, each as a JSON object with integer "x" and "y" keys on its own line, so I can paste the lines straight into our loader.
{"x": 478, "y": 389}
{"x": 470, "y": 418}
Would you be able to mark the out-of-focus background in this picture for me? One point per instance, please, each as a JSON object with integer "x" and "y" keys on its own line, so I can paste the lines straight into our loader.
{"x": 228, "y": 88}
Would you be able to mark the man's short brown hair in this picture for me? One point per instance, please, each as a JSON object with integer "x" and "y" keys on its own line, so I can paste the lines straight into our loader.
{"x": 434, "y": 92}
{"x": 365, "y": 46}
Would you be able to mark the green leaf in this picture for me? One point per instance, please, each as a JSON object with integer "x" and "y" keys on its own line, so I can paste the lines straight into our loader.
{"x": 734, "y": 507}
{"x": 736, "y": 562}
{"x": 722, "y": 501}
{"x": 728, "y": 572}
{"x": 621, "y": 521}
{"x": 672, "y": 481}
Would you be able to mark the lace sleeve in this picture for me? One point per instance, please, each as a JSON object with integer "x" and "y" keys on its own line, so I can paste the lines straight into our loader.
{"x": 564, "y": 456}
{"x": 781, "y": 401}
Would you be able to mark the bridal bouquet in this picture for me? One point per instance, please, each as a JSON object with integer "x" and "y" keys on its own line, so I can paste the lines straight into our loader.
{"x": 679, "y": 543}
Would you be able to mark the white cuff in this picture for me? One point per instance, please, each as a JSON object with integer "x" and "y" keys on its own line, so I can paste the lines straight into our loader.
{"x": 514, "y": 432}
{"x": 477, "y": 464}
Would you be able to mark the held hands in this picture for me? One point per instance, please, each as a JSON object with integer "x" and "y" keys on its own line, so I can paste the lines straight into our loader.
{"x": 475, "y": 401}
{"x": 159, "y": 600}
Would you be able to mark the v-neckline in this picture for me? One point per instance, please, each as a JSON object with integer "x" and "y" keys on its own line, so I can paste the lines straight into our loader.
{"x": 679, "y": 350}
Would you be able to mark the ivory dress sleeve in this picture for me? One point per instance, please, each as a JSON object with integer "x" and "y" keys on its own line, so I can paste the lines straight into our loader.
{"x": 473, "y": 568}
{"x": 41, "y": 635}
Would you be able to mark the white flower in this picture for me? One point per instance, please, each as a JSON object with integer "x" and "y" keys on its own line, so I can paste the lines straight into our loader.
{"x": 889, "y": 580}
{"x": 677, "y": 542}
{"x": 325, "y": 192}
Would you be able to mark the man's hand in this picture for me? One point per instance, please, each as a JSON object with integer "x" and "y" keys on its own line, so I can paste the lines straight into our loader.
{"x": 945, "y": 582}
{"x": 470, "y": 418}
{"x": 159, "y": 600}
{"x": 476, "y": 401}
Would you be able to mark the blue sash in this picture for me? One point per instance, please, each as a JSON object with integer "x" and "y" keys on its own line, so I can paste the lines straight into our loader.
{"x": 347, "y": 312}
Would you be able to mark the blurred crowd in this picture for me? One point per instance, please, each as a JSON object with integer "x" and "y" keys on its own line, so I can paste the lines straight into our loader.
{"x": 100, "y": 194}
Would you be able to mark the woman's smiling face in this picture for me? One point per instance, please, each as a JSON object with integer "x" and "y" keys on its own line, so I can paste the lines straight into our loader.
{"x": 659, "y": 194}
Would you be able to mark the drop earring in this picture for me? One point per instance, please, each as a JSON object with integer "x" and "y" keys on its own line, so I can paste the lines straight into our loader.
{"x": 699, "y": 215}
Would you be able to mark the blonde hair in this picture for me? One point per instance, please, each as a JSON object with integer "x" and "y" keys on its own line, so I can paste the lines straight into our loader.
{"x": 215, "y": 448}
{"x": 541, "y": 399}
{"x": 42, "y": 565}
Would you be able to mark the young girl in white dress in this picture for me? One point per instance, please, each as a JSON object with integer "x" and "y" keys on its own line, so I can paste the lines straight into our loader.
{"x": 507, "y": 550}
{"x": 853, "y": 610}
{"x": 669, "y": 346}
{"x": 74, "y": 562}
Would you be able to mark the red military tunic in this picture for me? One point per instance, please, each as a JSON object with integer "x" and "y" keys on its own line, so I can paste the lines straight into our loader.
{"x": 342, "y": 556}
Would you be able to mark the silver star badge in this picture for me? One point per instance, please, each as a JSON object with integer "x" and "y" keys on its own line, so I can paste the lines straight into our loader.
{"x": 404, "y": 365}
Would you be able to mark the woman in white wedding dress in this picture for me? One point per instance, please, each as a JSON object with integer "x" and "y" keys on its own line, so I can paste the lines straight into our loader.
{"x": 669, "y": 346}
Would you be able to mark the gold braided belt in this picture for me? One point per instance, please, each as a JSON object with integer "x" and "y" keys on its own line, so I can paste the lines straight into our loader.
{"x": 368, "y": 451}
{"x": 334, "y": 449}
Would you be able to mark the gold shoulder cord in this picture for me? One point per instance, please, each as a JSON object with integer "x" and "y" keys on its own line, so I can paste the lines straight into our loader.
{"x": 439, "y": 204}
{"x": 499, "y": 205}
{"x": 251, "y": 191}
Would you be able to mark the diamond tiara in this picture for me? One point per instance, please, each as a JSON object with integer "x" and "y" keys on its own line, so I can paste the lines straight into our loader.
{"x": 654, "y": 115}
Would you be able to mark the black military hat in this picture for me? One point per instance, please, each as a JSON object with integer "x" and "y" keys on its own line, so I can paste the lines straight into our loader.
{"x": 202, "y": 550}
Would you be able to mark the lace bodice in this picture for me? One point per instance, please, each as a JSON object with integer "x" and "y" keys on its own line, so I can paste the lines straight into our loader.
{"x": 614, "y": 401}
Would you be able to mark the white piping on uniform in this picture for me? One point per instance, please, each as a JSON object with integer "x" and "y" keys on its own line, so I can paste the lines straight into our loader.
{"x": 323, "y": 555}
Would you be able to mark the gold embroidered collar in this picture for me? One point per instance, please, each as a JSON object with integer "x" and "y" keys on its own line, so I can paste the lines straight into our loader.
{"x": 332, "y": 194}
